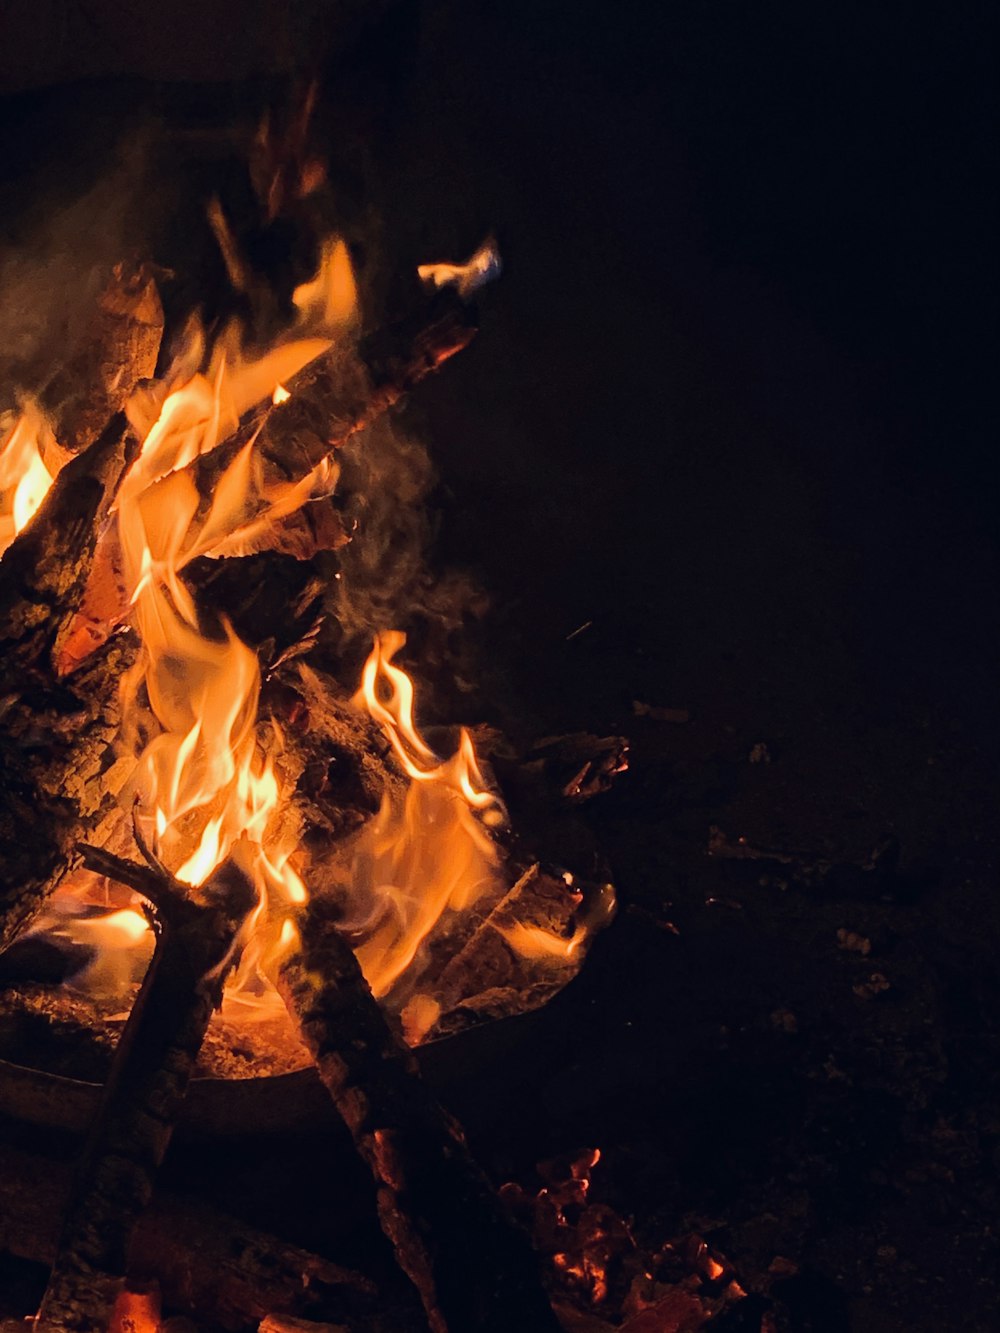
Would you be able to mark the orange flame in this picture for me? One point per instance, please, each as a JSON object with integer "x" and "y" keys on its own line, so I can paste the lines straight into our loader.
{"x": 428, "y": 855}
{"x": 24, "y": 477}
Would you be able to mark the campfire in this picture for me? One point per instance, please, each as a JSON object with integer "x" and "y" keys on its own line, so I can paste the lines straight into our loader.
{"x": 228, "y": 845}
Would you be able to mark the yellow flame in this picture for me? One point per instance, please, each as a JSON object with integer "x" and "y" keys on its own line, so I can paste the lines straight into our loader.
{"x": 427, "y": 855}
{"x": 24, "y": 478}
{"x": 534, "y": 942}
{"x": 480, "y": 268}
{"x": 206, "y": 790}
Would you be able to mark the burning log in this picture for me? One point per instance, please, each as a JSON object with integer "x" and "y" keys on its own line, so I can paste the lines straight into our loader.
{"x": 119, "y": 348}
{"x": 339, "y": 393}
{"x": 47, "y": 566}
{"x": 55, "y": 740}
{"x": 204, "y": 1261}
{"x": 58, "y": 779}
{"x": 472, "y": 1267}
{"x": 329, "y": 400}
{"x": 145, "y": 1090}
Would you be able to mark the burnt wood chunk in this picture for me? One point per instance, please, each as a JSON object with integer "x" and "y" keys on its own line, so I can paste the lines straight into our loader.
{"x": 119, "y": 348}
{"x": 206, "y": 1263}
{"x": 340, "y": 392}
{"x": 473, "y": 1268}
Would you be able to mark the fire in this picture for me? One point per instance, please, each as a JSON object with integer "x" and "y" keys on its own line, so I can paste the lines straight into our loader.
{"x": 25, "y": 478}
{"x": 208, "y": 786}
{"x": 205, "y": 790}
{"x": 428, "y": 855}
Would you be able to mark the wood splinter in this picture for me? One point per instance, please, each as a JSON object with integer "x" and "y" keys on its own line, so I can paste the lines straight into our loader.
{"x": 150, "y": 1072}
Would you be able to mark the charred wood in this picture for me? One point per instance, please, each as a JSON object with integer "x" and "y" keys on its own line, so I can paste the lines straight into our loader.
{"x": 473, "y": 1269}
{"x": 339, "y": 393}
{"x": 119, "y": 348}
{"x": 59, "y": 776}
{"x": 491, "y": 969}
{"x": 149, "y": 1076}
{"x": 46, "y": 567}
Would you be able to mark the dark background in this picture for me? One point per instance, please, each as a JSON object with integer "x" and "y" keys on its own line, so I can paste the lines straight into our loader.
{"x": 731, "y": 409}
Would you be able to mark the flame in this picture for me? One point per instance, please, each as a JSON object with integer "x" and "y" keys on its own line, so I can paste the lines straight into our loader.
{"x": 205, "y": 789}
{"x": 24, "y": 477}
{"x": 136, "y": 1311}
{"x": 427, "y": 855}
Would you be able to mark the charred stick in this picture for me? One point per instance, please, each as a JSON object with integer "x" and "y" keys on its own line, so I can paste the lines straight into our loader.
{"x": 152, "y": 1066}
{"x": 473, "y": 1268}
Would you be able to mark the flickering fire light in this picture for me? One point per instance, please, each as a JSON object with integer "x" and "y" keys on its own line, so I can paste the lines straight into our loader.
{"x": 25, "y": 477}
{"x": 209, "y": 784}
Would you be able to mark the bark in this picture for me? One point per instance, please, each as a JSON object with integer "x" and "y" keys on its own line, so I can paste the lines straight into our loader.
{"x": 149, "y": 1076}
{"x": 207, "y": 1264}
{"x": 118, "y": 349}
{"x": 339, "y": 393}
{"x": 59, "y": 778}
{"x": 472, "y": 1267}
{"x": 54, "y": 741}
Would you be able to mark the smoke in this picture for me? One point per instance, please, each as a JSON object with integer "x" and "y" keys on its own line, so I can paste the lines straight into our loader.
{"x": 386, "y": 580}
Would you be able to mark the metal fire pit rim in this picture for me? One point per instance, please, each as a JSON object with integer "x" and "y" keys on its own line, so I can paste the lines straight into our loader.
{"x": 218, "y": 1108}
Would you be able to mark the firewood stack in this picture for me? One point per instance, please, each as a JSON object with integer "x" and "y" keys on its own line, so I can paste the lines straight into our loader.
{"x": 64, "y": 645}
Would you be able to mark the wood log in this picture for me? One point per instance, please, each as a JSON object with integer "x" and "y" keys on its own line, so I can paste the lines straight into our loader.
{"x": 118, "y": 349}
{"x": 59, "y": 777}
{"x": 339, "y": 393}
{"x": 149, "y": 1076}
{"x": 207, "y": 1263}
{"x": 331, "y": 399}
{"x": 472, "y": 1267}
